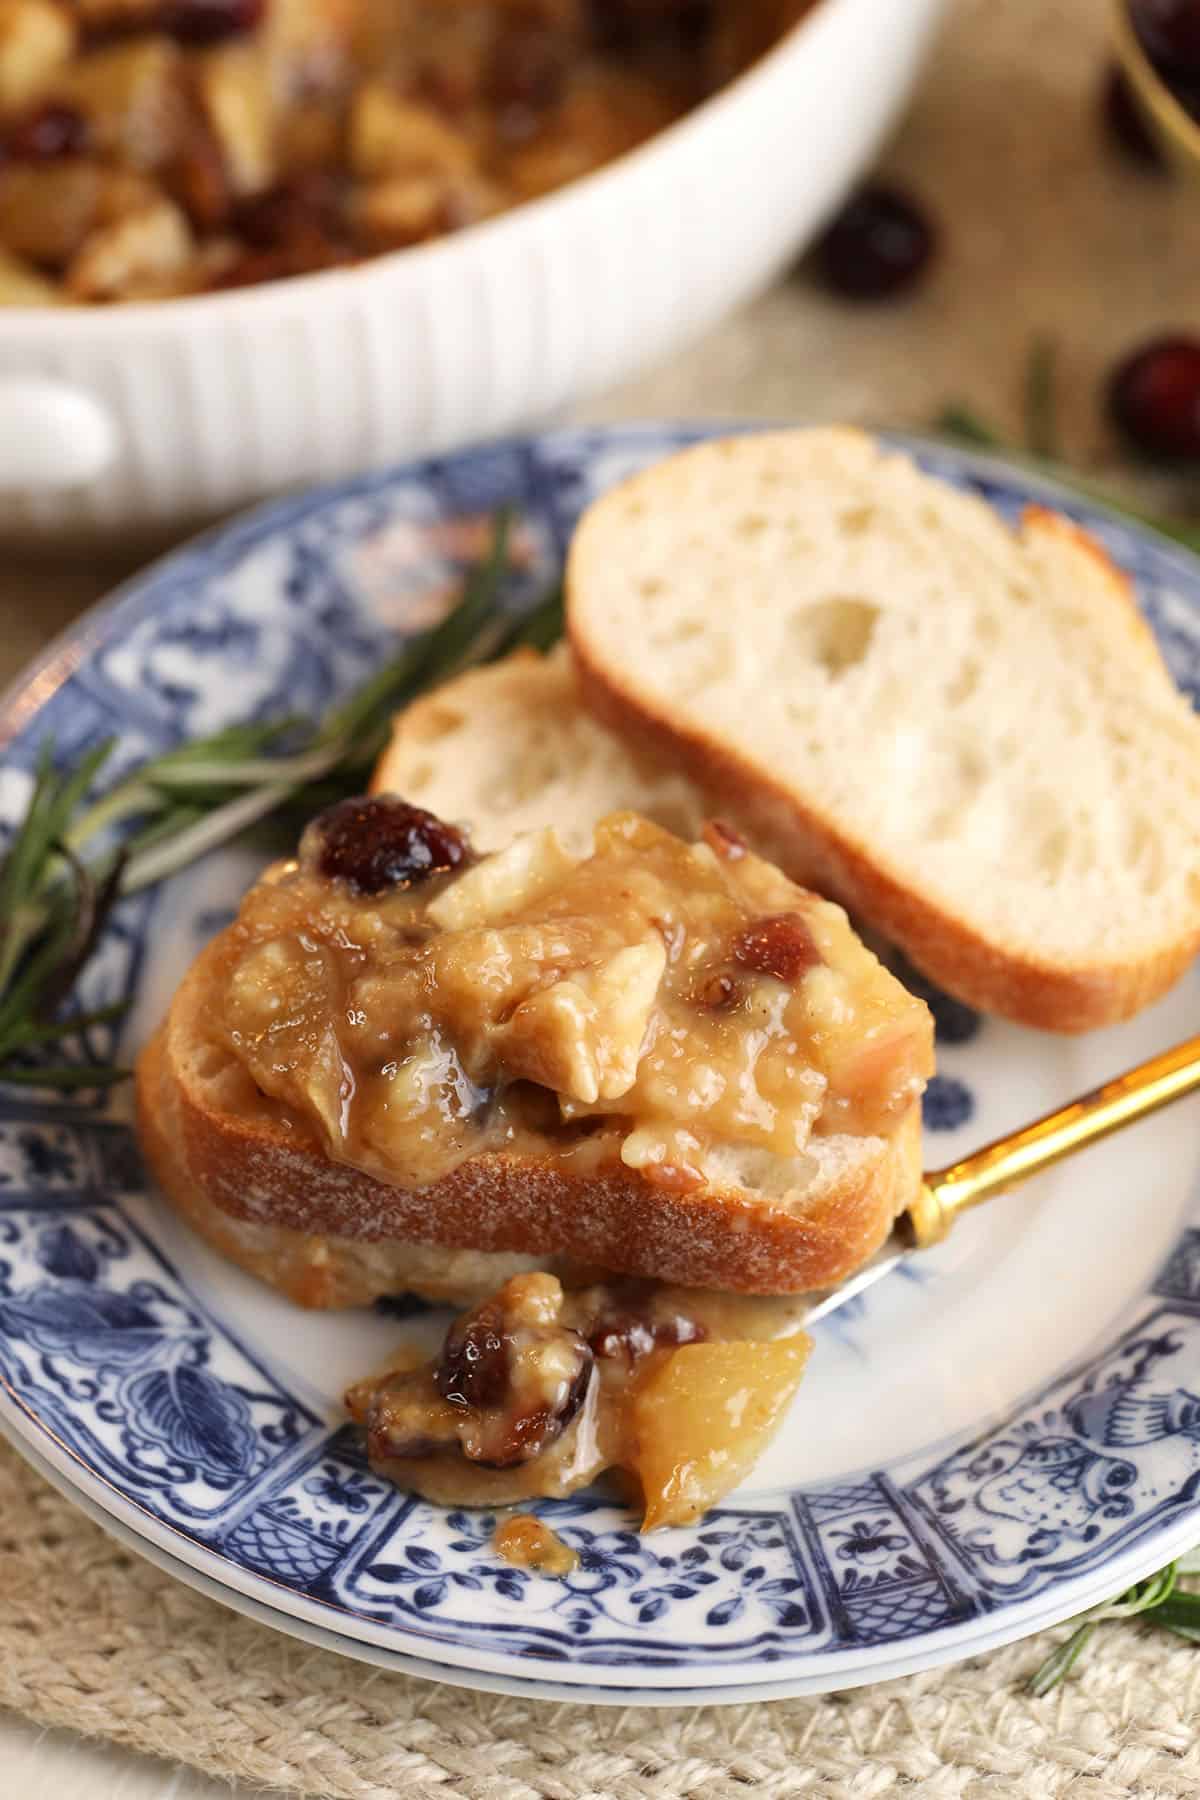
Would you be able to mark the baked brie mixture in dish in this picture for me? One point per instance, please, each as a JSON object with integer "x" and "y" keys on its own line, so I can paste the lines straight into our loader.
{"x": 684, "y": 1008}
{"x": 537, "y": 1392}
{"x": 151, "y": 148}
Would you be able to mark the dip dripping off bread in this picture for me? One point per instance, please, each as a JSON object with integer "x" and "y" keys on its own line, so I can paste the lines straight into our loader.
{"x": 963, "y": 731}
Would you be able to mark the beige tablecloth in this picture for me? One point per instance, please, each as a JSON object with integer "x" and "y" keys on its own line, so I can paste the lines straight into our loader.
{"x": 1044, "y": 232}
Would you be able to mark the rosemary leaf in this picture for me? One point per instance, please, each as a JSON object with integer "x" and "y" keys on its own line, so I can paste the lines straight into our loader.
{"x": 961, "y": 425}
{"x": 430, "y": 656}
{"x": 1179, "y": 1612}
{"x": 54, "y": 1030}
{"x": 1060, "y": 1662}
{"x": 71, "y": 1076}
{"x": 1155, "y": 1596}
{"x": 1041, "y": 424}
{"x": 174, "y": 852}
{"x": 539, "y": 629}
{"x": 178, "y": 806}
{"x": 965, "y": 426}
{"x": 94, "y": 899}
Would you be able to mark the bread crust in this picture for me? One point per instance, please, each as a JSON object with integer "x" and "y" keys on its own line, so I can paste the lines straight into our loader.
{"x": 811, "y": 846}
{"x": 220, "y": 1166}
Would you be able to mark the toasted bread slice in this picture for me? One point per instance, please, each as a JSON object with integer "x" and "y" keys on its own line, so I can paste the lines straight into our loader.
{"x": 237, "y": 1122}
{"x": 257, "y": 1184}
{"x": 962, "y": 731}
{"x": 510, "y": 748}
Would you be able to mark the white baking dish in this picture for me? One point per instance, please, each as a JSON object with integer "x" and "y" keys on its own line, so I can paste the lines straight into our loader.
{"x": 151, "y": 416}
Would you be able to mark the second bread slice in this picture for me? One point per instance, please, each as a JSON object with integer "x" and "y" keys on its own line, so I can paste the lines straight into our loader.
{"x": 963, "y": 732}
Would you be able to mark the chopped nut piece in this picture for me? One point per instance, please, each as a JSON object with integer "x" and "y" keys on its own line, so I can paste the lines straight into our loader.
{"x": 498, "y": 884}
{"x": 236, "y": 96}
{"x": 595, "y": 1000}
{"x": 147, "y": 244}
{"x": 47, "y": 209}
{"x": 133, "y": 99}
{"x": 36, "y": 38}
{"x": 390, "y": 135}
{"x": 582, "y": 1037}
{"x": 409, "y": 209}
{"x": 536, "y": 1392}
{"x": 21, "y": 285}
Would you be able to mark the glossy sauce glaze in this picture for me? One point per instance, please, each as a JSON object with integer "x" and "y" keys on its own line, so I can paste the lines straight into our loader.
{"x": 657, "y": 1001}
{"x": 536, "y": 1392}
{"x": 527, "y": 1543}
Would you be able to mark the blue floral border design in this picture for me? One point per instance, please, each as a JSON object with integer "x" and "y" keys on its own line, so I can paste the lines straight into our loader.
{"x": 104, "y": 1346}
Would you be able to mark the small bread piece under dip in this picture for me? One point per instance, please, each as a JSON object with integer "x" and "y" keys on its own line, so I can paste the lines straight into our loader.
{"x": 536, "y": 1393}
{"x": 663, "y": 1059}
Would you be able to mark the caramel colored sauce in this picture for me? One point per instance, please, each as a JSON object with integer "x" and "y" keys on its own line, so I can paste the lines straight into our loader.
{"x": 527, "y": 1543}
{"x": 676, "y": 999}
{"x": 537, "y": 1392}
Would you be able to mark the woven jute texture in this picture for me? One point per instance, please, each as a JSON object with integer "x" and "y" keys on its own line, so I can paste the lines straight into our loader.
{"x": 1043, "y": 231}
{"x": 95, "y": 1638}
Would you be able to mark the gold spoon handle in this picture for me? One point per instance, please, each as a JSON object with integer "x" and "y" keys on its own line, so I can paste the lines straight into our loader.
{"x": 948, "y": 1192}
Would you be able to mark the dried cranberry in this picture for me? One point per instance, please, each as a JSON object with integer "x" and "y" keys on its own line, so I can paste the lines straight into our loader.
{"x": 526, "y": 73}
{"x": 1169, "y": 32}
{"x": 1154, "y": 398}
{"x": 381, "y": 843}
{"x": 780, "y": 945}
{"x": 473, "y": 1369}
{"x": 305, "y": 209}
{"x": 1126, "y": 125}
{"x": 203, "y": 22}
{"x": 510, "y": 1421}
{"x": 631, "y": 1330}
{"x": 443, "y": 86}
{"x": 197, "y": 179}
{"x": 46, "y": 133}
{"x": 624, "y": 25}
{"x": 878, "y": 246}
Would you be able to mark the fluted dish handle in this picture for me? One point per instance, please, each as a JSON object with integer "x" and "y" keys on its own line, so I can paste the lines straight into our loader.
{"x": 53, "y": 435}
{"x": 1001, "y": 1165}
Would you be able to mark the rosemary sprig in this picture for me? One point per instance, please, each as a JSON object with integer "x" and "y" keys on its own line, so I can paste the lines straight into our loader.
{"x": 177, "y": 807}
{"x": 1041, "y": 423}
{"x": 1158, "y": 1598}
{"x": 962, "y": 424}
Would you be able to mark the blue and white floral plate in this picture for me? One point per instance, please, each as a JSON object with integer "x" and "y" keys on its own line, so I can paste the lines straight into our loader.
{"x": 984, "y": 1447}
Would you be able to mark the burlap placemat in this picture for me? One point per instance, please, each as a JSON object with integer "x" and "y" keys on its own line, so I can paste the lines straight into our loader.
{"x": 1043, "y": 231}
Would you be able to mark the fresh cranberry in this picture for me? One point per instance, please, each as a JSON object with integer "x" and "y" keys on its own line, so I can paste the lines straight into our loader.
{"x": 1126, "y": 124}
{"x": 1154, "y": 397}
{"x": 46, "y": 133}
{"x": 1169, "y": 32}
{"x": 381, "y": 843}
{"x": 781, "y": 946}
{"x": 211, "y": 21}
{"x": 878, "y": 246}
